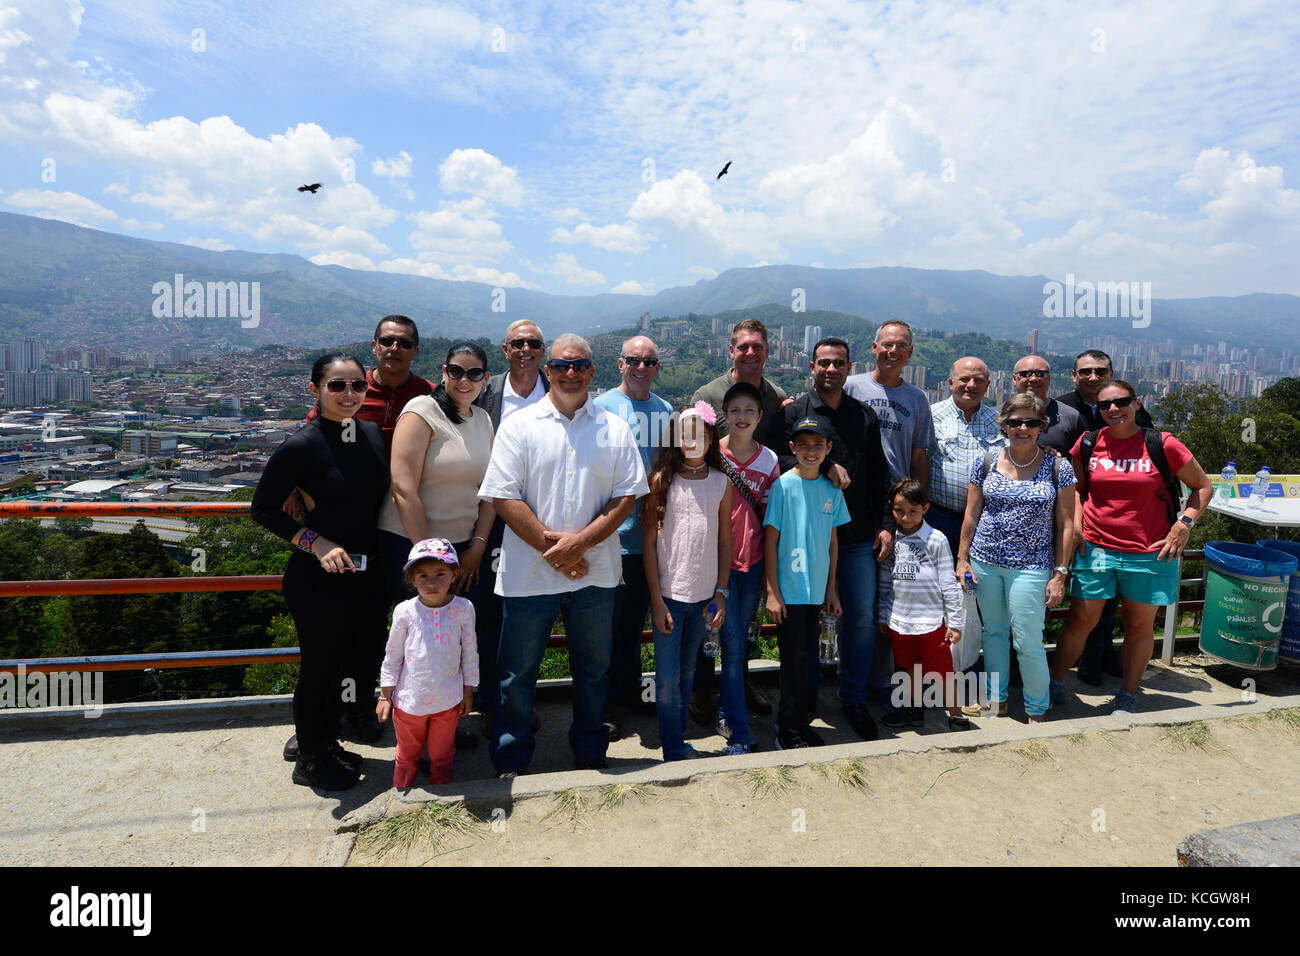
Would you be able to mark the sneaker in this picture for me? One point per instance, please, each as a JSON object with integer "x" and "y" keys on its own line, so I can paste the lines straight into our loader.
{"x": 690, "y": 753}
{"x": 813, "y": 738}
{"x": 790, "y": 740}
{"x": 1000, "y": 709}
{"x": 323, "y": 773}
{"x": 598, "y": 763}
{"x": 701, "y": 707}
{"x": 861, "y": 721}
{"x": 905, "y": 717}
{"x": 1125, "y": 703}
{"x": 1057, "y": 690}
{"x": 507, "y": 775}
{"x": 755, "y": 700}
{"x": 723, "y": 730}
{"x": 737, "y": 750}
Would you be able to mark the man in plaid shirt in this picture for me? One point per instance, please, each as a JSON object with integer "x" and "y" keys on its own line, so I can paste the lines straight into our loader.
{"x": 964, "y": 429}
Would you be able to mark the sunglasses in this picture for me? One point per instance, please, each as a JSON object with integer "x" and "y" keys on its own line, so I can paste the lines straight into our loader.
{"x": 560, "y": 366}
{"x": 457, "y": 373}
{"x": 336, "y": 385}
{"x": 387, "y": 342}
{"x": 531, "y": 343}
{"x": 1024, "y": 423}
{"x": 1106, "y": 404}
{"x": 1033, "y": 373}
{"x": 1092, "y": 372}
{"x": 636, "y": 360}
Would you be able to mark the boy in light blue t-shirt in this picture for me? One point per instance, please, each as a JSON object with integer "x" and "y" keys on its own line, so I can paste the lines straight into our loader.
{"x": 800, "y": 553}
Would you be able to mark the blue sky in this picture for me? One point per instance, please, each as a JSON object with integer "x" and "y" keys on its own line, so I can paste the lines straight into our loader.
{"x": 573, "y": 148}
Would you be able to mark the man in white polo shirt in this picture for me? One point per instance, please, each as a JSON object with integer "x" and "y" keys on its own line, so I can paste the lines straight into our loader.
{"x": 564, "y": 474}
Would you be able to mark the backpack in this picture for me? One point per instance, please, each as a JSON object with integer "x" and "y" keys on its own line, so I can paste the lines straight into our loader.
{"x": 1172, "y": 492}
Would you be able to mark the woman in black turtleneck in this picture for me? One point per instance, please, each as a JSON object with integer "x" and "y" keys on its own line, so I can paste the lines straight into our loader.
{"x": 340, "y": 465}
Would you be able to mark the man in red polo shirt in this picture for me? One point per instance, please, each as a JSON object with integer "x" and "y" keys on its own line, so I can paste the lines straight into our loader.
{"x": 392, "y": 385}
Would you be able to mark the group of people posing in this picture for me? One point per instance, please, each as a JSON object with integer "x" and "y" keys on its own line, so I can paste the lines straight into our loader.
{"x": 486, "y": 506}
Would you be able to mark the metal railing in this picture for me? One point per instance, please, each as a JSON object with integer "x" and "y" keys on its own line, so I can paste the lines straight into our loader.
{"x": 263, "y": 582}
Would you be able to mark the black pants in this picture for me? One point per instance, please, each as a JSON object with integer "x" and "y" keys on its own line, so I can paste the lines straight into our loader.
{"x": 340, "y": 620}
{"x": 487, "y": 620}
{"x": 796, "y": 639}
{"x": 631, "y": 602}
{"x": 1100, "y": 638}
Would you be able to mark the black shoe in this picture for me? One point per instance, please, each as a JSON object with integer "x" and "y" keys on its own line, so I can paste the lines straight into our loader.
{"x": 700, "y": 707}
{"x": 291, "y": 748}
{"x": 363, "y": 727}
{"x": 905, "y": 717}
{"x": 466, "y": 740}
{"x": 324, "y": 773}
{"x": 346, "y": 757}
{"x": 755, "y": 700}
{"x": 814, "y": 739}
{"x": 958, "y": 723}
{"x": 507, "y": 775}
{"x": 861, "y": 721}
{"x": 598, "y": 764}
{"x": 615, "y": 732}
{"x": 790, "y": 740}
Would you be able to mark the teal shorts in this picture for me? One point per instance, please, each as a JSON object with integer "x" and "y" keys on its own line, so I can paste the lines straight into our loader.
{"x": 1099, "y": 572}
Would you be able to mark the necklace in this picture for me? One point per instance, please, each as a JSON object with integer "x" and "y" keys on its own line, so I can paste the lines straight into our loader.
{"x": 694, "y": 471}
{"x": 1011, "y": 458}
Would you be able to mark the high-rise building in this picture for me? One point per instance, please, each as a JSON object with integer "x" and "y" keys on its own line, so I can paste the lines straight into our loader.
{"x": 26, "y": 355}
{"x": 1033, "y": 341}
{"x": 811, "y": 336}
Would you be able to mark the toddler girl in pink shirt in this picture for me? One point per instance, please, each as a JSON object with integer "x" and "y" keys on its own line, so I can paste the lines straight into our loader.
{"x": 430, "y": 666}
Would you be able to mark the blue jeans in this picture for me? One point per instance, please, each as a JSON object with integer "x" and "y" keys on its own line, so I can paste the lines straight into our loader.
{"x": 675, "y": 672}
{"x": 742, "y": 596}
{"x": 525, "y": 626}
{"x": 1014, "y": 602}
{"x": 855, "y": 580}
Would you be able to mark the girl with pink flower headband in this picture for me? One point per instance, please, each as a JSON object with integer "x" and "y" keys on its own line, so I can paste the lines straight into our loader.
{"x": 687, "y": 547}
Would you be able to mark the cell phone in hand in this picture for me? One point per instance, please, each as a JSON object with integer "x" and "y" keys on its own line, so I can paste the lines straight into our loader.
{"x": 359, "y": 560}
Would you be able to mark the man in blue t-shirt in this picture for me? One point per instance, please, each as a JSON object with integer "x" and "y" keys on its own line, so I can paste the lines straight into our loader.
{"x": 800, "y": 553}
{"x": 648, "y": 415}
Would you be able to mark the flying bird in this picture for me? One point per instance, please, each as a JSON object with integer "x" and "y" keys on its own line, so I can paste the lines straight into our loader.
{"x": 315, "y": 186}
{"x": 724, "y": 169}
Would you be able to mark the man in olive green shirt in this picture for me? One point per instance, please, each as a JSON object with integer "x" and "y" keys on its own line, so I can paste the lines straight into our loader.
{"x": 749, "y": 357}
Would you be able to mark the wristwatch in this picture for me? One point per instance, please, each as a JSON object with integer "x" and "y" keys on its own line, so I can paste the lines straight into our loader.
{"x": 1190, "y": 522}
{"x": 1062, "y": 569}
{"x": 722, "y": 591}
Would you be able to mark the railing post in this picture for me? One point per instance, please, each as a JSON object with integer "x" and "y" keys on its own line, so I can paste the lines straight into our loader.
{"x": 1171, "y": 620}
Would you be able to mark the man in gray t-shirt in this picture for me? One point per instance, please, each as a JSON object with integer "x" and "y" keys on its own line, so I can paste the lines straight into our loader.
{"x": 906, "y": 430}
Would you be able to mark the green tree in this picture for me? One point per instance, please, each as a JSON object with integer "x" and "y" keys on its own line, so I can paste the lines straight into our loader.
{"x": 20, "y": 560}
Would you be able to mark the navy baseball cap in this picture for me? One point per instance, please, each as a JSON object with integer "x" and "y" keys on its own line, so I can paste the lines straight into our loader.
{"x": 815, "y": 425}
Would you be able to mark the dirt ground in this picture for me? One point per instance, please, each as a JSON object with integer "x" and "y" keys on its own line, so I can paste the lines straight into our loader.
{"x": 1124, "y": 798}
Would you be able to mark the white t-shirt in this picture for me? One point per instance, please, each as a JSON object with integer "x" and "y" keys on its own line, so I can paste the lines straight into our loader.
{"x": 511, "y": 402}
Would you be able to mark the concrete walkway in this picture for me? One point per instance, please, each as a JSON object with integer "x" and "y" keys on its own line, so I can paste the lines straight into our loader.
{"x": 203, "y": 783}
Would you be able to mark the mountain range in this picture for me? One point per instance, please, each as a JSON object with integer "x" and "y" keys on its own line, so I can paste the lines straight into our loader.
{"x": 74, "y": 285}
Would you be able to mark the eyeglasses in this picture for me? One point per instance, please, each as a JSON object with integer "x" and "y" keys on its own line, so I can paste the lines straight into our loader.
{"x": 387, "y": 342}
{"x": 1106, "y": 403}
{"x": 559, "y": 366}
{"x": 636, "y": 360}
{"x": 337, "y": 385}
{"x": 1024, "y": 423}
{"x": 1033, "y": 373}
{"x": 457, "y": 373}
{"x": 1092, "y": 372}
{"x": 531, "y": 343}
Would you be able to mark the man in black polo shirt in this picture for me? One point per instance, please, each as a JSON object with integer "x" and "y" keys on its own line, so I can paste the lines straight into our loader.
{"x": 1092, "y": 371}
{"x": 856, "y": 465}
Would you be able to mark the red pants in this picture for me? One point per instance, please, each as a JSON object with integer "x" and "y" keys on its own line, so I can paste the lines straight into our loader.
{"x": 929, "y": 650}
{"x": 439, "y": 731}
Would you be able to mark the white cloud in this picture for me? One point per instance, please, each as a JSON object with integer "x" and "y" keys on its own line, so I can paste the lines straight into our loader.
{"x": 65, "y": 206}
{"x": 481, "y": 174}
{"x": 566, "y": 267}
{"x": 140, "y": 225}
{"x": 396, "y": 167}
{"x": 632, "y": 287}
{"x": 349, "y": 260}
{"x": 215, "y": 245}
{"x": 462, "y": 231}
{"x": 684, "y": 204}
{"x": 704, "y": 271}
{"x": 460, "y": 273}
{"x": 116, "y": 189}
{"x": 617, "y": 237}
{"x": 569, "y": 214}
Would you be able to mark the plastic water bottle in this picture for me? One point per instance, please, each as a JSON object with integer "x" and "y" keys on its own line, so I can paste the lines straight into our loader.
{"x": 828, "y": 648}
{"x": 1259, "y": 490}
{"x": 1229, "y": 476}
{"x": 755, "y": 627}
{"x": 968, "y": 583}
{"x": 712, "y": 648}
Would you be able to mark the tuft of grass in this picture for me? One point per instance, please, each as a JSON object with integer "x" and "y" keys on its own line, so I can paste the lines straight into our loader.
{"x": 433, "y": 824}
{"x": 1193, "y": 736}
{"x": 1034, "y": 750}
{"x": 570, "y": 803}
{"x": 1288, "y": 720}
{"x": 851, "y": 773}
{"x": 615, "y": 795}
{"x": 769, "y": 781}
{"x": 1108, "y": 737}
{"x": 1075, "y": 738}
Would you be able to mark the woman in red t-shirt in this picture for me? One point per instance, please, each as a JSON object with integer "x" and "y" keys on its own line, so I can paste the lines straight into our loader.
{"x": 1125, "y": 540}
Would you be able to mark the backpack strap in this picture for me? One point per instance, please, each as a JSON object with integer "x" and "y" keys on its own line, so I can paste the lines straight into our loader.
{"x": 742, "y": 486}
{"x": 988, "y": 462}
{"x": 1172, "y": 492}
{"x": 1086, "y": 446}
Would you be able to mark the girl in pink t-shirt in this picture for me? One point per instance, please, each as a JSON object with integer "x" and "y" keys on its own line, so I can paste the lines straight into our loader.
{"x": 687, "y": 547}
{"x": 430, "y": 666}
